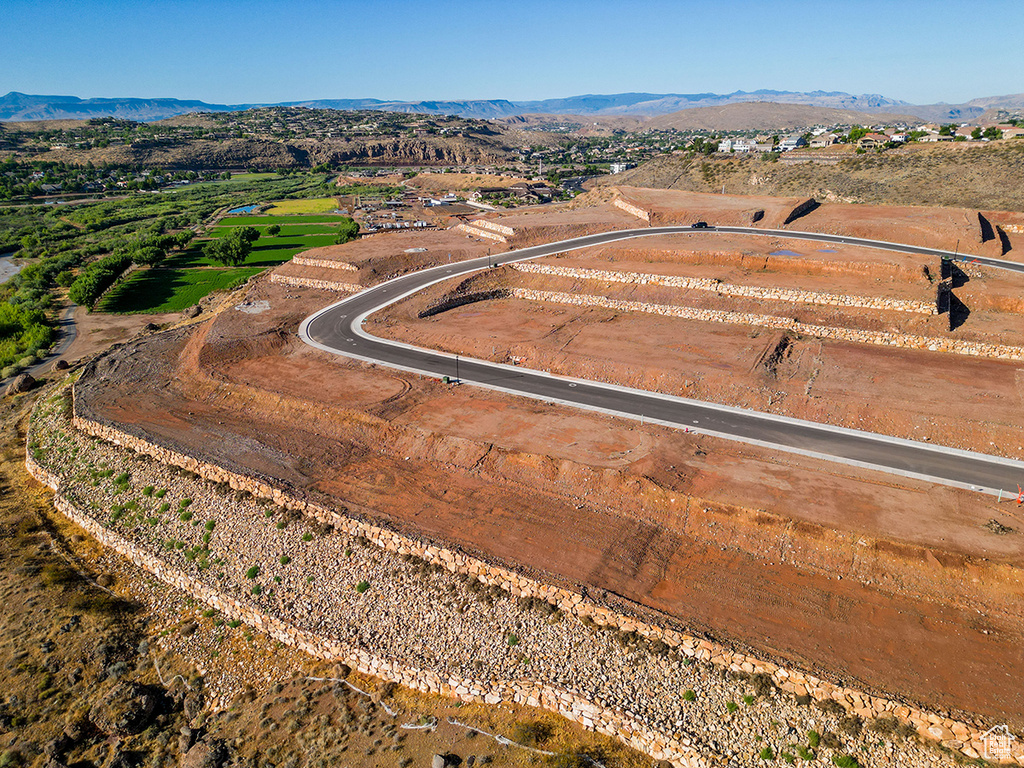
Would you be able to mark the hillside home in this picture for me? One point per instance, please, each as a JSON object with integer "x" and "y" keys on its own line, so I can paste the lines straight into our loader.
{"x": 744, "y": 145}
{"x": 823, "y": 140}
{"x": 872, "y": 140}
{"x": 793, "y": 141}
{"x": 725, "y": 145}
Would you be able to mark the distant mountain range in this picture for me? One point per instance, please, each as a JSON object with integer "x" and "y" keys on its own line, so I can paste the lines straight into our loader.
{"x": 22, "y": 107}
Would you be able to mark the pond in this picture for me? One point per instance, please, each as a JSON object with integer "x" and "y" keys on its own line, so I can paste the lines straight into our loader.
{"x": 244, "y": 209}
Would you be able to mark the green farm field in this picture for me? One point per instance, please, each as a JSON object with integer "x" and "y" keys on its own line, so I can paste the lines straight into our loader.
{"x": 309, "y": 205}
{"x": 160, "y": 289}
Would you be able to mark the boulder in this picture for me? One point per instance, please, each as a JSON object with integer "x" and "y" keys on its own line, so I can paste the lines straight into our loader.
{"x": 21, "y": 383}
{"x": 204, "y": 754}
{"x": 125, "y": 709}
{"x": 191, "y": 312}
{"x": 437, "y": 761}
{"x": 61, "y": 365}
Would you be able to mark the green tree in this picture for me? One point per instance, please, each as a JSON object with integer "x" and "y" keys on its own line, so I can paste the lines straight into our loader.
{"x": 234, "y": 248}
{"x": 976, "y": 133}
{"x": 273, "y": 230}
{"x": 992, "y": 133}
{"x": 348, "y": 230}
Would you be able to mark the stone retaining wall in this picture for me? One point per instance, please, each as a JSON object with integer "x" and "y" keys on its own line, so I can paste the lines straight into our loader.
{"x": 710, "y": 284}
{"x": 632, "y": 210}
{"x": 953, "y": 734}
{"x": 881, "y": 338}
{"x": 501, "y": 229}
{"x": 477, "y": 232}
{"x": 305, "y": 261}
{"x": 309, "y": 282}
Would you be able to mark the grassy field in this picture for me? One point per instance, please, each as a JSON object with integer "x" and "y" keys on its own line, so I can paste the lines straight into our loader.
{"x": 266, "y": 252}
{"x": 314, "y": 205}
{"x": 184, "y": 278}
{"x": 287, "y": 230}
{"x": 163, "y": 289}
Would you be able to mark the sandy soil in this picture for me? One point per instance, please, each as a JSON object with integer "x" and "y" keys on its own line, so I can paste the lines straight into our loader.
{"x": 97, "y": 331}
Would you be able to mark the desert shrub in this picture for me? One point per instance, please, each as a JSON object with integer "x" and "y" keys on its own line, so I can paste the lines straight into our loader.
{"x": 689, "y": 695}
{"x": 531, "y": 733}
{"x": 831, "y": 707}
{"x": 763, "y": 683}
{"x": 362, "y": 586}
{"x": 831, "y": 741}
{"x": 845, "y": 761}
{"x": 253, "y": 572}
{"x": 814, "y": 739}
{"x": 767, "y": 754}
{"x": 851, "y": 725}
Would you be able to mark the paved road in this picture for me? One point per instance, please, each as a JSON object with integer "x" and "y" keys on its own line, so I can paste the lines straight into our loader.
{"x": 338, "y": 329}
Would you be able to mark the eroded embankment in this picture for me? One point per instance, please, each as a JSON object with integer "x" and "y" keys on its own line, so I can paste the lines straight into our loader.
{"x": 323, "y": 588}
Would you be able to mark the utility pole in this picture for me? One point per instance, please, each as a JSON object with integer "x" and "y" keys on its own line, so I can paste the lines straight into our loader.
{"x": 457, "y": 369}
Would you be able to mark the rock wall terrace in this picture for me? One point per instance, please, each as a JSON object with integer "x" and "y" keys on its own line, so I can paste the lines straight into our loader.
{"x": 674, "y": 747}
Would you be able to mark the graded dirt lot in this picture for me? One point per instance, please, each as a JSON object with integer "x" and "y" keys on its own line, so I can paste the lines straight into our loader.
{"x": 891, "y": 584}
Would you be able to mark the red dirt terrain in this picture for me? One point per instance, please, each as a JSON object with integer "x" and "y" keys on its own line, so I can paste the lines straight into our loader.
{"x": 894, "y": 585}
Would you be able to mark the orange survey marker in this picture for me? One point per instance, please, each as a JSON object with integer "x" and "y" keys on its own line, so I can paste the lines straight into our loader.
{"x": 1020, "y": 494}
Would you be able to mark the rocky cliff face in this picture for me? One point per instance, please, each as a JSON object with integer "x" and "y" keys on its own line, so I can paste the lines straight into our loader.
{"x": 302, "y": 153}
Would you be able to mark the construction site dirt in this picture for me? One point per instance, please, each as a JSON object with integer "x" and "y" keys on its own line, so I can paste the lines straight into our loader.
{"x": 894, "y": 585}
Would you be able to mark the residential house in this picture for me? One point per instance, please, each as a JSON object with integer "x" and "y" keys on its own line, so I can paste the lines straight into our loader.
{"x": 793, "y": 141}
{"x": 823, "y": 140}
{"x": 872, "y": 140}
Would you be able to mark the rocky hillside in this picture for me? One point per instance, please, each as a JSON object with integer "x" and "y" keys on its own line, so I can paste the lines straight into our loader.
{"x": 302, "y": 153}
{"x": 988, "y": 177}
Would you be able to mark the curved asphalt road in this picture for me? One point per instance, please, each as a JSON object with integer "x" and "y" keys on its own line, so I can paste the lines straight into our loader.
{"x": 338, "y": 329}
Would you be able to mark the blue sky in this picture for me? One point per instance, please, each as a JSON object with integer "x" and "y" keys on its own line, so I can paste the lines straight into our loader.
{"x": 227, "y": 51}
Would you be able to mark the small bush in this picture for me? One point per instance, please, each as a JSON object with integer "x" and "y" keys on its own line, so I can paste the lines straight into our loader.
{"x": 845, "y": 761}
{"x": 748, "y": 700}
{"x": 512, "y": 639}
{"x": 161, "y": 493}
{"x": 253, "y": 572}
{"x": 689, "y": 695}
{"x": 851, "y": 725}
{"x": 732, "y": 706}
{"x": 285, "y": 560}
{"x": 805, "y": 754}
{"x": 531, "y": 733}
{"x": 831, "y": 741}
{"x": 148, "y": 490}
{"x": 763, "y": 683}
{"x": 362, "y": 586}
{"x": 235, "y": 623}
{"x": 257, "y": 589}
{"x": 184, "y": 503}
{"x": 832, "y": 707}
{"x": 767, "y": 754}
{"x": 307, "y": 536}
{"x": 210, "y": 525}
{"x": 814, "y": 739}
{"x": 185, "y": 516}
